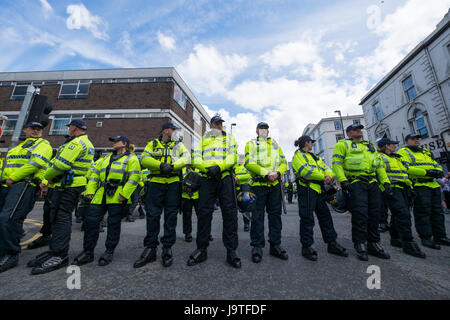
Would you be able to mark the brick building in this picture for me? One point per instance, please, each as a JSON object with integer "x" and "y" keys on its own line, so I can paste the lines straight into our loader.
{"x": 131, "y": 102}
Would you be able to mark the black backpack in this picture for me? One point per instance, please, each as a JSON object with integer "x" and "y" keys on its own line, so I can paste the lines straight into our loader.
{"x": 191, "y": 182}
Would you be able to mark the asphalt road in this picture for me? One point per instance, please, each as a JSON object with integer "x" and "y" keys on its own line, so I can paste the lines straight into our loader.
{"x": 331, "y": 277}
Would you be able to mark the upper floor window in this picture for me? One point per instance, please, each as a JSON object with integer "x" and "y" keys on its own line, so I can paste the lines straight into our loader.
{"x": 383, "y": 134}
{"x": 9, "y": 125}
{"x": 377, "y": 110}
{"x": 337, "y": 125}
{"x": 20, "y": 89}
{"x": 179, "y": 97}
{"x": 410, "y": 89}
{"x": 357, "y": 121}
{"x": 421, "y": 123}
{"x": 339, "y": 136}
{"x": 74, "y": 89}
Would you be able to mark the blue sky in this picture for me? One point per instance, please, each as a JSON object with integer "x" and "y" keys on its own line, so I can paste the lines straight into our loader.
{"x": 288, "y": 62}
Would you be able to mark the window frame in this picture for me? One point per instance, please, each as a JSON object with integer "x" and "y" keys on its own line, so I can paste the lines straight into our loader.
{"x": 77, "y": 94}
{"x": 413, "y": 86}
{"x": 377, "y": 105}
{"x": 423, "y": 116}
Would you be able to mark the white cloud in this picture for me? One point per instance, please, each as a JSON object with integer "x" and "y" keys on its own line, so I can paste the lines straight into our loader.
{"x": 209, "y": 72}
{"x": 80, "y": 17}
{"x": 46, "y": 8}
{"x": 399, "y": 33}
{"x": 126, "y": 44}
{"x": 166, "y": 42}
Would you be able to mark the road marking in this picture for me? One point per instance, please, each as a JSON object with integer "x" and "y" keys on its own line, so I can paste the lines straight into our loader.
{"x": 36, "y": 223}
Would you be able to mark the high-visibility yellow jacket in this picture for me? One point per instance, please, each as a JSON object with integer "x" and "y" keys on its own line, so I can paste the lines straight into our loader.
{"x": 242, "y": 174}
{"x": 215, "y": 149}
{"x": 395, "y": 170}
{"x": 186, "y": 195}
{"x": 125, "y": 169}
{"x": 262, "y": 157}
{"x": 417, "y": 162}
{"x": 310, "y": 167}
{"x": 157, "y": 151}
{"x": 357, "y": 158}
{"x": 77, "y": 154}
{"x": 29, "y": 159}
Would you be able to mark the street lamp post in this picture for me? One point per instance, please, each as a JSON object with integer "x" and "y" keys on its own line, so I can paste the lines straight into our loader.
{"x": 233, "y": 124}
{"x": 342, "y": 124}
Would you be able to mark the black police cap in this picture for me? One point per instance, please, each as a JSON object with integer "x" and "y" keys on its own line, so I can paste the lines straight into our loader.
{"x": 79, "y": 124}
{"x": 120, "y": 138}
{"x": 262, "y": 125}
{"x": 216, "y": 118}
{"x": 34, "y": 124}
{"x": 386, "y": 141}
{"x": 354, "y": 127}
{"x": 412, "y": 136}
{"x": 170, "y": 125}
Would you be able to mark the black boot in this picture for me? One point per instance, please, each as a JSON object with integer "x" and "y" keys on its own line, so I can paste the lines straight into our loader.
{"x": 167, "y": 257}
{"x": 148, "y": 255}
{"x": 361, "y": 251}
{"x": 337, "y": 249}
{"x": 106, "y": 258}
{"x": 309, "y": 253}
{"x": 188, "y": 237}
{"x": 375, "y": 249}
{"x": 442, "y": 241}
{"x": 413, "y": 249}
{"x": 39, "y": 259}
{"x": 130, "y": 218}
{"x": 383, "y": 227}
{"x": 278, "y": 252}
{"x": 39, "y": 242}
{"x": 84, "y": 257}
{"x": 396, "y": 243}
{"x": 233, "y": 259}
{"x": 8, "y": 261}
{"x": 196, "y": 257}
{"x": 430, "y": 244}
{"x": 210, "y": 238}
{"x": 257, "y": 254}
{"x": 51, "y": 264}
{"x": 246, "y": 227}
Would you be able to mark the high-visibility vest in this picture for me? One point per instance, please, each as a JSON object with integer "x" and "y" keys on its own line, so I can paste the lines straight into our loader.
{"x": 157, "y": 151}
{"x": 29, "y": 159}
{"x": 125, "y": 169}
{"x": 357, "y": 158}
{"x": 395, "y": 170}
{"x": 310, "y": 167}
{"x": 242, "y": 174}
{"x": 75, "y": 154}
{"x": 215, "y": 149}
{"x": 263, "y": 156}
{"x": 417, "y": 163}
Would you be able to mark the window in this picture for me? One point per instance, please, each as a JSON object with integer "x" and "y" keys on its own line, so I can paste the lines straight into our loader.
{"x": 421, "y": 123}
{"x": 179, "y": 97}
{"x": 20, "y": 90}
{"x": 339, "y": 136}
{"x": 60, "y": 122}
{"x": 74, "y": 89}
{"x": 337, "y": 125}
{"x": 9, "y": 125}
{"x": 357, "y": 121}
{"x": 377, "y": 110}
{"x": 320, "y": 145}
{"x": 410, "y": 89}
{"x": 383, "y": 134}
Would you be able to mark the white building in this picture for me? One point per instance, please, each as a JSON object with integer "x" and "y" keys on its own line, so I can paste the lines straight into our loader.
{"x": 415, "y": 96}
{"x": 329, "y": 131}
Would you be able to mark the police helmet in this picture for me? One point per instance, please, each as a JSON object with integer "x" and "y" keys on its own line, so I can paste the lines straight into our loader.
{"x": 339, "y": 203}
{"x": 246, "y": 201}
{"x": 329, "y": 192}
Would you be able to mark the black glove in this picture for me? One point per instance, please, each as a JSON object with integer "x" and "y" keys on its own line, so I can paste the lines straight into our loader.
{"x": 433, "y": 173}
{"x": 388, "y": 190}
{"x": 165, "y": 168}
{"x": 346, "y": 187}
{"x": 214, "y": 172}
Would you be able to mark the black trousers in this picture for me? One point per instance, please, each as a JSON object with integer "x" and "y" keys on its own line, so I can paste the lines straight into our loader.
{"x": 267, "y": 198}
{"x": 134, "y": 200}
{"x": 290, "y": 194}
{"x": 187, "y": 205}
{"x": 428, "y": 214}
{"x": 364, "y": 205}
{"x": 11, "y": 227}
{"x": 309, "y": 202}
{"x": 83, "y": 207}
{"x": 209, "y": 191}
{"x": 158, "y": 198}
{"x": 384, "y": 212}
{"x": 400, "y": 216}
{"x": 62, "y": 204}
{"x": 92, "y": 225}
{"x": 46, "y": 228}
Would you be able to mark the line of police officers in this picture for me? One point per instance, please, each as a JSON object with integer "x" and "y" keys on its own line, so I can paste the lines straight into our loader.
{"x": 364, "y": 174}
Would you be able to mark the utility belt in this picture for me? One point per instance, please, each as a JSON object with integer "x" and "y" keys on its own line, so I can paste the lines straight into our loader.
{"x": 35, "y": 181}
{"x": 399, "y": 184}
{"x": 423, "y": 180}
{"x": 112, "y": 185}
{"x": 67, "y": 178}
{"x": 160, "y": 175}
{"x": 365, "y": 179}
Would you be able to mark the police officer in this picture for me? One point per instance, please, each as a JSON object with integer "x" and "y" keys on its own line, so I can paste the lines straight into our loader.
{"x": 266, "y": 163}
{"x": 312, "y": 174}
{"x": 356, "y": 164}
{"x": 189, "y": 201}
{"x": 242, "y": 184}
{"x": 165, "y": 157}
{"x": 215, "y": 156}
{"x": 109, "y": 188}
{"x": 23, "y": 172}
{"x": 428, "y": 213}
{"x": 400, "y": 231}
{"x": 68, "y": 172}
